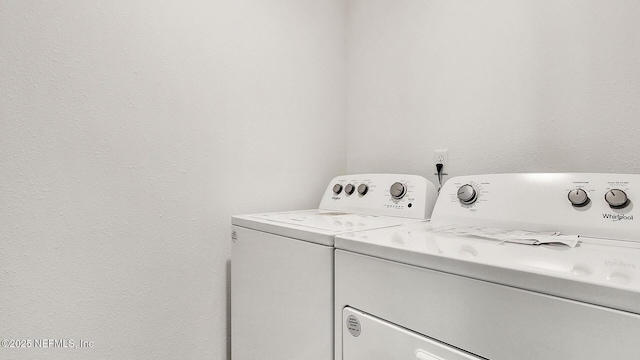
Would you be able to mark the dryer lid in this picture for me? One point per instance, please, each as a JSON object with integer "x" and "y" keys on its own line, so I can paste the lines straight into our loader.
{"x": 599, "y": 271}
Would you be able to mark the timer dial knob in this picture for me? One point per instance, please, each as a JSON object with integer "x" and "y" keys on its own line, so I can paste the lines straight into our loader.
{"x": 398, "y": 190}
{"x": 337, "y": 188}
{"x": 363, "y": 189}
{"x": 467, "y": 194}
{"x": 578, "y": 197}
{"x": 349, "y": 189}
{"x": 616, "y": 198}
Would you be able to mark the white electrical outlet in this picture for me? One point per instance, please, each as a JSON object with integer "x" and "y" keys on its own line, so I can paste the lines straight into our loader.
{"x": 441, "y": 157}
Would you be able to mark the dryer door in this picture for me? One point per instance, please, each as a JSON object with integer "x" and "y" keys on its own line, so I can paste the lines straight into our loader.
{"x": 365, "y": 337}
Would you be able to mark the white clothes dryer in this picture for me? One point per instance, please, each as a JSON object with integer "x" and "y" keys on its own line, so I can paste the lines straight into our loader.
{"x": 282, "y": 263}
{"x": 511, "y": 266}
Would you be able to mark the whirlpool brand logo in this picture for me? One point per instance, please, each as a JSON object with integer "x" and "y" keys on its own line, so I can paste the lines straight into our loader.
{"x": 620, "y": 264}
{"x": 617, "y": 217}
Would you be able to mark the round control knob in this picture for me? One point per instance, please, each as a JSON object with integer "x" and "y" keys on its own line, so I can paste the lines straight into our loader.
{"x": 578, "y": 197}
{"x": 337, "y": 188}
{"x": 616, "y": 198}
{"x": 349, "y": 189}
{"x": 397, "y": 190}
{"x": 362, "y": 189}
{"x": 467, "y": 194}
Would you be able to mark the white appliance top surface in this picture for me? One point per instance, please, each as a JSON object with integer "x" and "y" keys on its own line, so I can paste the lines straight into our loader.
{"x": 326, "y": 222}
{"x": 320, "y": 226}
{"x": 603, "y": 272}
{"x": 596, "y": 258}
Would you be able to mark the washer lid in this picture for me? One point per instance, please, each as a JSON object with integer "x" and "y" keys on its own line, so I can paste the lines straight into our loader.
{"x": 597, "y": 271}
{"x": 318, "y": 226}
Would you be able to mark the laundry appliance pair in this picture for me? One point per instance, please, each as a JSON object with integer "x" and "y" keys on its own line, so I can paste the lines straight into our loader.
{"x": 511, "y": 266}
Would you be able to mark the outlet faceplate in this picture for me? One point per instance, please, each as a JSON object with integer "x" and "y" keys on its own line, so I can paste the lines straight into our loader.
{"x": 441, "y": 157}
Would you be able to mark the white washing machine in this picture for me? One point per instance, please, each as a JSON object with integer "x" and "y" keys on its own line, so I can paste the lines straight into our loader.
{"x": 282, "y": 263}
{"x": 511, "y": 266}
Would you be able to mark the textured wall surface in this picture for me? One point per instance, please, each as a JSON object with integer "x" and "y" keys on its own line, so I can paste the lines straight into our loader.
{"x": 129, "y": 134}
{"x": 506, "y": 86}
{"x": 131, "y": 131}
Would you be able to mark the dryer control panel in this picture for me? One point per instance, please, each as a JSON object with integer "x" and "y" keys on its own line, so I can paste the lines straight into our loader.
{"x": 586, "y": 204}
{"x": 409, "y": 196}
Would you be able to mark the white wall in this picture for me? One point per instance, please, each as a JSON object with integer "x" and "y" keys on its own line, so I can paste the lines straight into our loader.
{"x": 506, "y": 86}
{"x": 130, "y": 132}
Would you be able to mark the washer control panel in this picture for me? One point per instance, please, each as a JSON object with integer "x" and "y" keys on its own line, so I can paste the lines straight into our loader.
{"x": 401, "y": 195}
{"x": 589, "y": 204}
